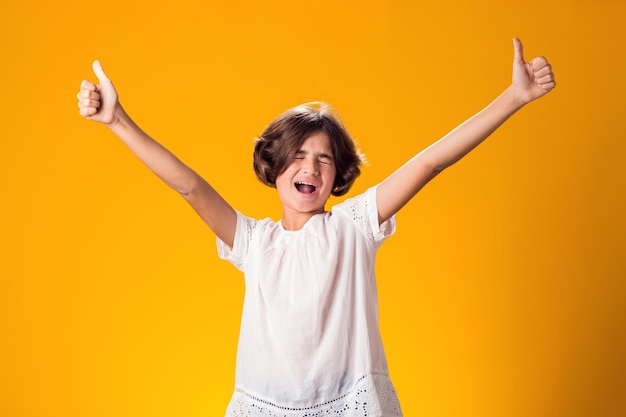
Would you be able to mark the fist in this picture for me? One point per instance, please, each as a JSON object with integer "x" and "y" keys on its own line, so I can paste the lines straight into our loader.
{"x": 98, "y": 102}
{"x": 532, "y": 79}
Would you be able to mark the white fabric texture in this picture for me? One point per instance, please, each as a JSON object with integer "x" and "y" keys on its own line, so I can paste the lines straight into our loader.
{"x": 309, "y": 341}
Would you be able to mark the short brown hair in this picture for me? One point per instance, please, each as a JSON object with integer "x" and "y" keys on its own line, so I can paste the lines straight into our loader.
{"x": 275, "y": 149}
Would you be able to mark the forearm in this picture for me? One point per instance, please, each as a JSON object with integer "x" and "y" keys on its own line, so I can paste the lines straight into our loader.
{"x": 156, "y": 157}
{"x": 99, "y": 103}
{"x": 467, "y": 136}
{"x": 530, "y": 81}
{"x": 402, "y": 185}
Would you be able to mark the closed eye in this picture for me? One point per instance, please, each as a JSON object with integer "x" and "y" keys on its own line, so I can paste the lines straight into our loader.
{"x": 322, "y": 158}
{"x": 325, "y": 159}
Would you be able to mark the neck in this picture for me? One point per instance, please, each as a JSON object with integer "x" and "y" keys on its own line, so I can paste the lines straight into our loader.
{"x": 296, "y": 221}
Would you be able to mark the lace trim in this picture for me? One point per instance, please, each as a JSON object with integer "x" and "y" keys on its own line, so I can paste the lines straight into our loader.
{"x": 372, "y": 396}
{"x": 249, "y": 227}
{"x": 242, "y": 238}
{"x": 359, "y": 210}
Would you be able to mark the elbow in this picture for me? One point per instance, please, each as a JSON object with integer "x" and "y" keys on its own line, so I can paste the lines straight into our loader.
{"x": 437, "y": 169}
{"x": 430, "y": 165}
{"x": 187, "y": 193}
{"x": 434, "y": 168}
{"x": 188, "y": 188}
{"x": 183, "y": 188}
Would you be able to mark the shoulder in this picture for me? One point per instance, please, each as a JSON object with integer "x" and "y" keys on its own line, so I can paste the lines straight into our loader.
{"x": 357, "y": 204}
{"x": 363, "y": 211}
{"x": 248, "y": 233}
{"x": 246, "y": 222}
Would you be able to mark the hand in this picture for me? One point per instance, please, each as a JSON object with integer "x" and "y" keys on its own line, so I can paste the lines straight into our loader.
{"x": 533, "y": 79}
{"x": 98, "y": 102}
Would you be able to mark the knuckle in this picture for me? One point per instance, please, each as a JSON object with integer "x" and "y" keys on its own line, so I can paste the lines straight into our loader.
{"x": 86, "y": 85}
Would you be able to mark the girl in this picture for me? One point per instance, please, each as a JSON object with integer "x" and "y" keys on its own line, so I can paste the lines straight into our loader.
{"x": 309, "y": 341}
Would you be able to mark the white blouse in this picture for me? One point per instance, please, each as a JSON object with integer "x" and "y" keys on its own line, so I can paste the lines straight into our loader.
{"x": 309, "y": 342}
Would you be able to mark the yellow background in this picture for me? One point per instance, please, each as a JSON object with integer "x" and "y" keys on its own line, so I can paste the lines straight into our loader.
{"x": 502, "y": 293}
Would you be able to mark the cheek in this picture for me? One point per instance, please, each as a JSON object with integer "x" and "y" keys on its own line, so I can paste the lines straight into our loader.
{"x": 331, "y": 174}
{"x": 290, "y": 170}
{"x": 285, "y": 177}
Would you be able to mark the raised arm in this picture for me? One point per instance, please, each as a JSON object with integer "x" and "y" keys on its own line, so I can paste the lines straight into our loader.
{"x": 531, "y": 80}
{"x": 100, "y": 103}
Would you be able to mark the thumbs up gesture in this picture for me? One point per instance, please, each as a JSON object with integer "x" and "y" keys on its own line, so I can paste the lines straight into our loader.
{"x": 98, "y": 102}
{"x": 533, "y": 79}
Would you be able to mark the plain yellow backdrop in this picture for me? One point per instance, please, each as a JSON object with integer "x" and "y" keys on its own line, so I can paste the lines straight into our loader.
{"x": 502, "y": 293}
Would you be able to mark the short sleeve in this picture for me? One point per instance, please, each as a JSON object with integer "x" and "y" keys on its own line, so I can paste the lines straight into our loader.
{"x": 363, "y": 210}
{"x": 243, "y": 235}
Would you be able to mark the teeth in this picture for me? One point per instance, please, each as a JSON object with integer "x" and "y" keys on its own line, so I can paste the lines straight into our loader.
{"x": 305, "y": 187}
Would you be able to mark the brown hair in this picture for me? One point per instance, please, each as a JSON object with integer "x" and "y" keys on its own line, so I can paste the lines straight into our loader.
{"x": 275, "y": 149}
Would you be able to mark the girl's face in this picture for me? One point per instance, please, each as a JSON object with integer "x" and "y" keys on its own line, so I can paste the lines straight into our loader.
{"x": 306, "y": 184}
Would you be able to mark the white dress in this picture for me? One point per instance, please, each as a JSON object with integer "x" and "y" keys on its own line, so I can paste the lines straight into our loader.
{"x": 309, "y": 342}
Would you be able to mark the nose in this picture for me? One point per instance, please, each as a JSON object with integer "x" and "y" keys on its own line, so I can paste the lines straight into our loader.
{"x": 310, "y": 167}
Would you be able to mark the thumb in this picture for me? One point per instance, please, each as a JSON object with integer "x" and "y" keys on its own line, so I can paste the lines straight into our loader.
{"x": 97, "y": 69}
{"x": 518, "y": 51}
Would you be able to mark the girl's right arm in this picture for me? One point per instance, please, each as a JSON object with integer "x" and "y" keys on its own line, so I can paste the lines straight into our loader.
{"x": 99, "y": 103}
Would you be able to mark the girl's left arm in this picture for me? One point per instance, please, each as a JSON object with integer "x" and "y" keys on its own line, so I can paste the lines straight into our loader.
{"x": 531, "y": 80}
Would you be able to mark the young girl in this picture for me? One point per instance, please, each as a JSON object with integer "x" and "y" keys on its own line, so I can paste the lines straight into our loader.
{"x": 309, "y": 342}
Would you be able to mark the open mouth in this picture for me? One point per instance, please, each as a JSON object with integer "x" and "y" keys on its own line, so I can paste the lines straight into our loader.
{"x": 305, "y": 187}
